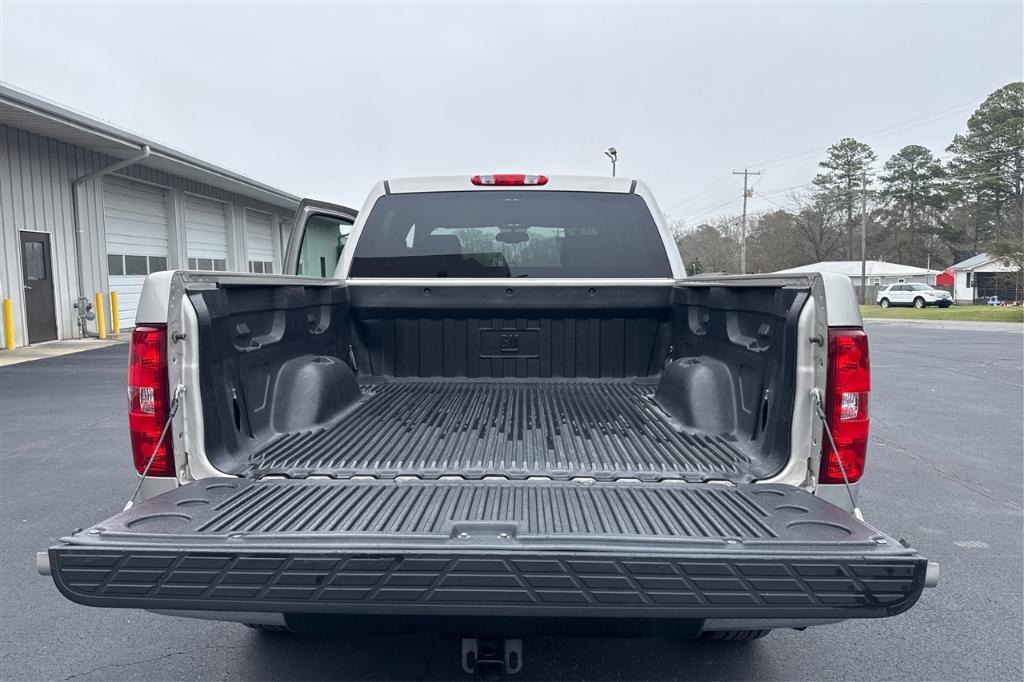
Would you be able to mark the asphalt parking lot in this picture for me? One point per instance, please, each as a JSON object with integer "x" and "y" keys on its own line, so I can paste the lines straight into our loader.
{"x": 945, "y": 472}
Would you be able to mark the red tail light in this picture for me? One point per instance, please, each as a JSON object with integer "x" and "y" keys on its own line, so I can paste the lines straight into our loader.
{"x": 148, "y": 400}
{"x": 509, "y": 179}
{"x": 846, "y": 404}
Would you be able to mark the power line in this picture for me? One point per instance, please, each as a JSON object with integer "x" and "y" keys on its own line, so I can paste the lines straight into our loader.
{"x": 937, "y": 184}
{"x": 771, "y": 202}
{"x": 994, "y": 152}
{"x": 694, "y": 205}
{"x": 714, "y": 203}
{"x": 882, "y": 132}
{"x": 696, "y": 195}
{"x": 953, "y": 179}
{"x": 907, "y": 124}
{"x": 711, "y": 210}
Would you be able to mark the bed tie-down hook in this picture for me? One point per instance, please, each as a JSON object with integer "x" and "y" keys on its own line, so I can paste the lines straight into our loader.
{"x": 816, "y": 398}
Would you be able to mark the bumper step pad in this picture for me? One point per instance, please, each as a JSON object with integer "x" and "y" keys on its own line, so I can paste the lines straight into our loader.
{"x": 555, "y": 584}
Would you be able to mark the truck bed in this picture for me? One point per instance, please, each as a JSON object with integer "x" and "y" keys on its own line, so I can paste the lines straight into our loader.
{"x": 601, "y": 429}
{"x": 562, "y": 382}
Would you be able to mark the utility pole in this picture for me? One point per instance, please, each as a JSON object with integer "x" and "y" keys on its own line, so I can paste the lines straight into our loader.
{"x": 747, "y": 193}
{"x": 863, "y": 237}
{"x": 612, "y": 154}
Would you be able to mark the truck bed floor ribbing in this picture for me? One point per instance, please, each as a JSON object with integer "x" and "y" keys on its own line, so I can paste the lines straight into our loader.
{"x": 472, "y": 428}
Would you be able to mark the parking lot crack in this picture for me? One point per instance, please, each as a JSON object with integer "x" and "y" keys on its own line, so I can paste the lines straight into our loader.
{"x": 953, "y": 478}
{"x": 129, "y": 664}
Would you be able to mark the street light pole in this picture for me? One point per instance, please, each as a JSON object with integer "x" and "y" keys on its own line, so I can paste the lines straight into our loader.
{"x": 612, "y": 154}
{"x": 864, "y": 238}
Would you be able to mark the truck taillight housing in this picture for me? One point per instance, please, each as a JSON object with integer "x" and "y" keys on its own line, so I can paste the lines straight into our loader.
{"x": 148, "y": 400}
{"x": 846, "y": 405}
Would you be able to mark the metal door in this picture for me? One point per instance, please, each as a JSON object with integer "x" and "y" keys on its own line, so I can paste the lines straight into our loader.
{"x": 136, "y": 224}
{"x": 37, "y": 273}
{"x": 206, "y": 229}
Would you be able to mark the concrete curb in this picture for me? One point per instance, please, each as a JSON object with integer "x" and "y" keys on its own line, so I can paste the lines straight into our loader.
{"x": 961, "y": 325}
{"x": 52, "y": 349}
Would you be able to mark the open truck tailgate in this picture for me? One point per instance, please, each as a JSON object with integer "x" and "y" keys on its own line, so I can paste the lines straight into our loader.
{"x": 528, "y": 548}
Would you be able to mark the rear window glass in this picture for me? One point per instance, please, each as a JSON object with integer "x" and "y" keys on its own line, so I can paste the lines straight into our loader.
{"x": 510, "y": 233}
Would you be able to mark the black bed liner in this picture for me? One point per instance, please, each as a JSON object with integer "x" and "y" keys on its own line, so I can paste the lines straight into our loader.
{"x": 601, "y": 429}
{"x": 490, "y": 547}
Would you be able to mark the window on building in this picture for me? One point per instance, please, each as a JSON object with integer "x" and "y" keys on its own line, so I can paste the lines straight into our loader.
{"x": 876, "y": 280}
{"x": 215, "y": 264}
{"x": 261, "y": 266}
{"x": 970, "y": 280}
{"x": 136, "y": 265}
{"x": 35, "y": 261}
{"x": 120, "y": 264}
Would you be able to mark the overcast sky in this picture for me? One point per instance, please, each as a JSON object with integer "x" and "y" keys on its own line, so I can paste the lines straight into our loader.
{"x": 323, "y": 100}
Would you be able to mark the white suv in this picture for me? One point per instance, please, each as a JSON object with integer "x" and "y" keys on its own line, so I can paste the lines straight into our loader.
{"x": 917, "y": 295}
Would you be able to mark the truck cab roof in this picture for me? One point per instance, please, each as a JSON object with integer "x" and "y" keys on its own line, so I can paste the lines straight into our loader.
{"x": 455, "y": 183}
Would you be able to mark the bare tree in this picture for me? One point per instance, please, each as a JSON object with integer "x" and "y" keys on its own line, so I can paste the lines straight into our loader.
{"x": 819, "y": 226}
{"x": 709, "y": 247}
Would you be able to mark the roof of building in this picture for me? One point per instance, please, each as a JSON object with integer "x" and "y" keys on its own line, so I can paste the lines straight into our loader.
{"x": 875, "y": 268}
{"x": 27, "y": 111}
{"x": 972, "y": 262}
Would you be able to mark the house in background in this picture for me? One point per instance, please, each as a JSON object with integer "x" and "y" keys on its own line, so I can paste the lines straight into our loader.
{"x": 879, "y": 273}
{"x": 983, "y": 276}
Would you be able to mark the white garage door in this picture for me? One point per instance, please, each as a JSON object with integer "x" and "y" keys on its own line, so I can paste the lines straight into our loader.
{"x": 259, "y": 240}
{"x": 206, "y": 232}
{"x": 135, "y": 220}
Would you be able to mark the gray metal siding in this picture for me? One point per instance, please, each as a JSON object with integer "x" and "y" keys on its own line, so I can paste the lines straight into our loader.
{"x": 36, "y": 195}
{"x": 36, "y": 175}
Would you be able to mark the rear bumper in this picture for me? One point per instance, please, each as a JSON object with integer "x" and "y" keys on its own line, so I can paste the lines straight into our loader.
{"x": 493, "y": 583}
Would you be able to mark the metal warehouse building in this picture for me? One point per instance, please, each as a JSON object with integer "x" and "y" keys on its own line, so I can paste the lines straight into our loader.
{"x": 87, "y": 209}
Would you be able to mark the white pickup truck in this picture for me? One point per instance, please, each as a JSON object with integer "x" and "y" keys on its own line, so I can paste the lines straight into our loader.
{"x": 496, "y": 406}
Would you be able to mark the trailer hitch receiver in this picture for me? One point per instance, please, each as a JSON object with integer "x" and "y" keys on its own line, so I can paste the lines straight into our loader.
{"x": 492, "y": 655}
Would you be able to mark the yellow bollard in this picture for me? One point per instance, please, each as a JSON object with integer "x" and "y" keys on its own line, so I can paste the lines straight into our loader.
{"x": 101, "y": 323}
{"x": 8, "y": 324}
{"x": 115, "y": 323}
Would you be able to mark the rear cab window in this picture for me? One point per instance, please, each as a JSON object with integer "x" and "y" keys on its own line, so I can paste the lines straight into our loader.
{"x": 510, "y": 233}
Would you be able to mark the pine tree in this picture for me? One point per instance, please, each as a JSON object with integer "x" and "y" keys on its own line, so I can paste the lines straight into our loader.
{"x": 840, "y": 183}
{"x": 912, "y": 191}
{"x": 988, "y": 167}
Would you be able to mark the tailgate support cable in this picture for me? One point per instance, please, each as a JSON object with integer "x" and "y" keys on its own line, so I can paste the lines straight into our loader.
{"x": 175, "y": 402}
{"x": 816, "y": 396}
